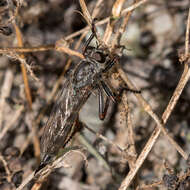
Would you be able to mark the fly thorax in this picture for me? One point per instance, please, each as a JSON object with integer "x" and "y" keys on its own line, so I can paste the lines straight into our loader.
{"x": 85, "y": 74}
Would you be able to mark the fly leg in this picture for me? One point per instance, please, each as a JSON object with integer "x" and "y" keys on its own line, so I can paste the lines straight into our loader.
{"x": 113, "y": 96}
{"x": 86, "y": 46}
{"x": 102, "y": 107}
{"x": 108, "y": 91}
{"x": 130, "y": 90}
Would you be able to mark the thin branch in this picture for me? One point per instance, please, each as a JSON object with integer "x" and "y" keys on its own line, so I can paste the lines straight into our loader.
{"x": 24, "y": 73}
{"x": 5, "y": 50}
{"x": 86, "y": 13}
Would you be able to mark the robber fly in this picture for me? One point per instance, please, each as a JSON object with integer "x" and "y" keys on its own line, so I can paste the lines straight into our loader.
{"x": 86, "y": 77}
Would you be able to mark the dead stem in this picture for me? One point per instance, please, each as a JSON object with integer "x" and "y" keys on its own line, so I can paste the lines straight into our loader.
{"x": 69, "y": 51}
{"x": 187, "y": 35}
{"x": 26, "y": 50}
{"x": 86, "y": 13}
{"x": 44, "y": 173}
{"x": 104, "y": 21}
{"x": 24, "y": 73}
{"x": 36, "y": 142}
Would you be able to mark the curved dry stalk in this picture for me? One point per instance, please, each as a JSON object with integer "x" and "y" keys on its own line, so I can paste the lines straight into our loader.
{"x": 36, "y": 142}
{"x": 153, "y": 185}
{"x": 104, "y": 21}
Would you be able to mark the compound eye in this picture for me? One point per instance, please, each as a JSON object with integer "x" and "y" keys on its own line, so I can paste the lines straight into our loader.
{"x": 99, "y": 57}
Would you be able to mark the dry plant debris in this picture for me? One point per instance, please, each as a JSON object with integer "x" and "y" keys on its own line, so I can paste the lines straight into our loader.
{"x": 41, "y": 42}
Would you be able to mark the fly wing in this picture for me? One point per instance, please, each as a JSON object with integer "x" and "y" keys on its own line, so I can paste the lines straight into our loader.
{"x": 59, "y": 126}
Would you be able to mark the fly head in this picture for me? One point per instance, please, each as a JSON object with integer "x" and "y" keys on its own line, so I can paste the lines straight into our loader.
{"x": 90, "y": 70}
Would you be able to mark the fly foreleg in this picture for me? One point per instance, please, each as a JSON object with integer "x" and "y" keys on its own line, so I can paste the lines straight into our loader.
{"x": 86, "y": 46}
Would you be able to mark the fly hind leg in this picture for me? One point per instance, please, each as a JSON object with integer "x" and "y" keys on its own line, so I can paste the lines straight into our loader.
{"x": 113, "y": 96}
{"x": 102, "y": 107}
